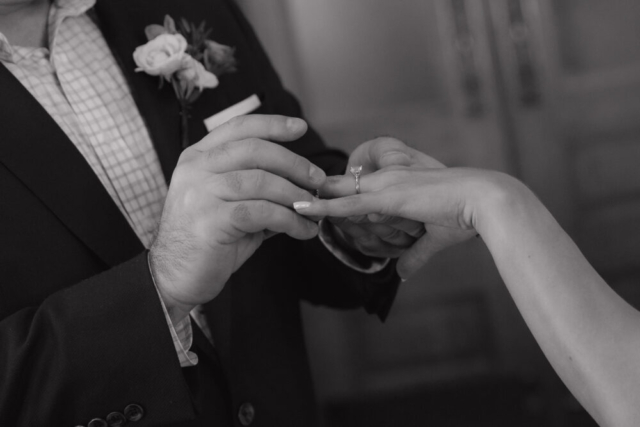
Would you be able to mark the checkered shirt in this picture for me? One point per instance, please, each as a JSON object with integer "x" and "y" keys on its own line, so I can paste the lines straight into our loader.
{"x": 79, "y": 83}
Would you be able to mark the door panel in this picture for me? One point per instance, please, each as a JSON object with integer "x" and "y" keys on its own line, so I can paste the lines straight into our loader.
{"x": 578, "y": 147}
{"x": 421, "y": 71}
{"x": 548, "y": 90}
{"x": 594, "y": 36}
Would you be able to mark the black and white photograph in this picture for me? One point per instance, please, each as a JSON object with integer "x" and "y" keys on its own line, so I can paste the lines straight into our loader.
{"x": 319, "y": 213}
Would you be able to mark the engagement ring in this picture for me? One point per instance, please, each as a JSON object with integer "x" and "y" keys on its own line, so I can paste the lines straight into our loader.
{"x": 355, "y": 171}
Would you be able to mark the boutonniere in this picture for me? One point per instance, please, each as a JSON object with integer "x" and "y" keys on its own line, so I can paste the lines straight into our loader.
{"x": 183, "y": 56}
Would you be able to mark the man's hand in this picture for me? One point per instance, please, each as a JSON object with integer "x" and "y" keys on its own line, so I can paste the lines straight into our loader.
{"x": 229, "y": 192}
{"x": 377, "y": 235}
{"x": 446, "y": 201}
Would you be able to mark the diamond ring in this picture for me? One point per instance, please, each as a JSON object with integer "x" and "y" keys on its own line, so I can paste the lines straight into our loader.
{"x": 355, "y": 171}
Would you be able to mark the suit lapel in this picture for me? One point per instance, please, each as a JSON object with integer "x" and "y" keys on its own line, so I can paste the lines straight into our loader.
{"x": 41, "y": 155}
{"x": 123, "y": 30}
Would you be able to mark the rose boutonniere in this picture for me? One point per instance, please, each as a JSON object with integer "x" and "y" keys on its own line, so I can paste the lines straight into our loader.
{"x": 183, "y": 56}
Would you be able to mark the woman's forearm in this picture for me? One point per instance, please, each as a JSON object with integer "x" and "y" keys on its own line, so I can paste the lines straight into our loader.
{"x": 589, "y": 334}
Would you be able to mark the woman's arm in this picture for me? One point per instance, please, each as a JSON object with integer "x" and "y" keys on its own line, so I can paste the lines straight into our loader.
{"x": 589, "y": 334}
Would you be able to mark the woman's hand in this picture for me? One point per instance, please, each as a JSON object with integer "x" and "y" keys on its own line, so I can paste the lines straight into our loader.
{"x": 389, "y": 236}
{"x": 447, "y": 201}
{"x": 588, "y": 332}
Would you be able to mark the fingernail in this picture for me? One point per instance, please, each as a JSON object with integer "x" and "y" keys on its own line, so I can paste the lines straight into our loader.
{"x": 395, "y": 158}
{"x": 301, "y": 205}
{"x": 316, "y": 174}
{"x": 295, "y": 124}
{"x": 403, "y": 280}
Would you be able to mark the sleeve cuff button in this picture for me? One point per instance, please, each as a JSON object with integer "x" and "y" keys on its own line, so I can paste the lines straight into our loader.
{"x": 97, "y": 422}
{"x": 133, "y": 412}
{"x": 116, "y": 419}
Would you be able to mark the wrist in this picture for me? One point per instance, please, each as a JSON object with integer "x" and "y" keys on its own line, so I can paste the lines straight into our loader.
{"x": 502, "y": 202}
{"x": 176, "y": 310}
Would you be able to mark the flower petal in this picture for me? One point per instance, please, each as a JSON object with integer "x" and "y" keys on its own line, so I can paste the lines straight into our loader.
{"x": 170, "y": 24}
{"x": 154, "y": 30}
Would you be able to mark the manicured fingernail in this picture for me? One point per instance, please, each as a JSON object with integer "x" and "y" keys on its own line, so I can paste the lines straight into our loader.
{"x": 301, "y": 205}
{"x": 316, "y": 174}
{"x": 295, "y": 124}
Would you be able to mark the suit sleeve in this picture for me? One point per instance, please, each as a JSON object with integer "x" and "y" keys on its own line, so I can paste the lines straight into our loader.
{"x": 55, "y": 368}
{"x": 328, "y": 280}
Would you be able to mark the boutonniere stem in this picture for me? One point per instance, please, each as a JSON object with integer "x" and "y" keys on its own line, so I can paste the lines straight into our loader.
{"x": 184, "y": 124}
{"x": 186, "y": 58}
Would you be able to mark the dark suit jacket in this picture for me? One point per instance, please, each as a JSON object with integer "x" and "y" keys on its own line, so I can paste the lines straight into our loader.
{"x": 82, "y": 332}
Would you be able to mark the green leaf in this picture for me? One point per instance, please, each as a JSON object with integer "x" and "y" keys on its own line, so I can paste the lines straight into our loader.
{"x": 185, "y": 24}
{"x": 194, "y": 96}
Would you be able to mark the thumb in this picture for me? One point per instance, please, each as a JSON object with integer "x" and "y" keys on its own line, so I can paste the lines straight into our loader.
{"x": 435, "y": 240}
{"x": 392, "y": 158}
{"x": 416, "y": 256}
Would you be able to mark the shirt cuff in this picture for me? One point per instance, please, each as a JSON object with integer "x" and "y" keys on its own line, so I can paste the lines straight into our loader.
{"x": 181, "y": 333}
{"x": 329, "y": 241}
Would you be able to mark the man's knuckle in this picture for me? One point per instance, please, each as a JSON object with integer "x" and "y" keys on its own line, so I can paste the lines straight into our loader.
{"x": 252, "y": 148}
{"x": 234, "y": 181}
{"x": 241, "y": 214}
{"x": 274, "y": 122}
{"x": 237, "y": 122}
{"x": 301, "y": 194}
{"x": 264, "y": 208}
{"x": 300, "y": 164}
{"x": 252, "y": 144}
{"x": 186, "y": 155}
{"x": 258, "y": 178}
{"x": 218, "y": 153}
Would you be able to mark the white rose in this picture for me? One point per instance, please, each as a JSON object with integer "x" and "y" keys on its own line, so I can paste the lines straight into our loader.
{"x": 193, "y": 72}
{"x": 161, "y": 56}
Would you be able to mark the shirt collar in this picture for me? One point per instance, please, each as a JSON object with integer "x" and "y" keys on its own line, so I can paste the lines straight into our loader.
{"x": 6, "y": 52}
{"x": 60, "y": 9}
{"x": 74, "y": 7}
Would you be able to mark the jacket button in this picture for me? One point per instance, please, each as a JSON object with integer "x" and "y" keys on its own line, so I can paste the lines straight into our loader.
{"x": 133, "y": 412}
{"x": 116, "y": 419}
{"x": 97, "y": 422}
{"x": 246, "y": 414}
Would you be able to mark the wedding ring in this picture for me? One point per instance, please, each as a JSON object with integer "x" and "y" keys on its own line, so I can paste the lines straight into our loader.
{"x": 355, "y": 171}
